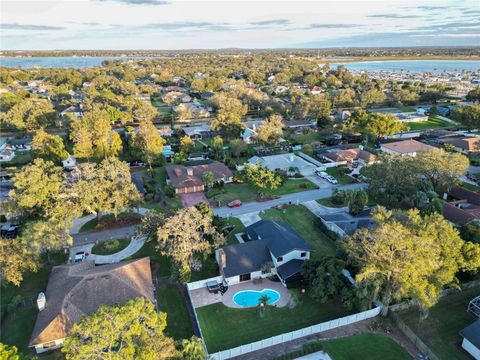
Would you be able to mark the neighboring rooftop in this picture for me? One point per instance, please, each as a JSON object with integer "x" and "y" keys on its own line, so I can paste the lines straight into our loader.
{"x": 472, "y": 333}
{"x": 77, "y": 290}
{"x": 407, "y": 146}
{"x": 186, "y": 176}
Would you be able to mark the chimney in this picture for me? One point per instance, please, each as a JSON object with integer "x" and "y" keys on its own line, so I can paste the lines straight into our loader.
{"x": 41, "y": 301}
{"x": 189, "y": 171}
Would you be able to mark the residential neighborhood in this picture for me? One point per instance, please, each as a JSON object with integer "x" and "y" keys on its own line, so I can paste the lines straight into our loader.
{"x": 240, "y": 204}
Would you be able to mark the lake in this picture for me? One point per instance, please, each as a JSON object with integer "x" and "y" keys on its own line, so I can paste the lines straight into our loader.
{"x": 77, "y": 62}
{"x": 413, "y": 65}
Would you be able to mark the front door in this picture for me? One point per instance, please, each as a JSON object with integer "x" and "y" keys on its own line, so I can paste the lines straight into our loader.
{"x": 245, "y": 277}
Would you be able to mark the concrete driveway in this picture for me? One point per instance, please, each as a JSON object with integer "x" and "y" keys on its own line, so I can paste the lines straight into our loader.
{"x": 250, "y": 218}
{"x": 192, "y": 199}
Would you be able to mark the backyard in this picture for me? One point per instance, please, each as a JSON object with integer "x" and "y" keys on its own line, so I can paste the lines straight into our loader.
{"x": 224, "y": 327}
{"x": 440, "y": 330}
{"x": 245, "y": 192}
{"x": 432, "y": 123}
{"x": 365, "y": 347}
{"x": 171, "y": 301}
{"x": 305, "y": 223}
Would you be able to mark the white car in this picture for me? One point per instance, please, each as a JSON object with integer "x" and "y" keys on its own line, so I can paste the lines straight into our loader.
{"x": 79, "y": 257}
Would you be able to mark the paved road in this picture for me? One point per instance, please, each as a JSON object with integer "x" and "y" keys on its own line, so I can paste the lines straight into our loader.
{"x": 299, "y": 197}
{"x": 92, "y": 237}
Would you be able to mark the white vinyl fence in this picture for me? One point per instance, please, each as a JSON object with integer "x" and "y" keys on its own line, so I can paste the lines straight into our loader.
{"x": 203, "y": 283}
{"x": 332, "y": 324}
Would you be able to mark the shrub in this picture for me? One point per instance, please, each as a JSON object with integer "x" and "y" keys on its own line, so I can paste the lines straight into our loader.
{"x": 338, "y": 197}
{"x": 170, "y": 191}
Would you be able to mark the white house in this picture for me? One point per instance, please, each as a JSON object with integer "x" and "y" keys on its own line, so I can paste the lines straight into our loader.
{"x": 274, "y": 248}
{"x": 284, "y": 162}
{"x": 471, "y": 339}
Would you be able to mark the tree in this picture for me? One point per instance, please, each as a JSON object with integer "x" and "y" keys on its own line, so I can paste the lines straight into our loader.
{"x": 82, "y": 140}
{"x": 468, "y": 116}
{"x": 382, "y": 125}
{"x": 230, "y": 112}
{"x": 106, "y": 187}
{"x": 132, "y": 331}
{"x": 208, "y": 178}
{"x": 372, "y": 96}
{"x": 186, "y": 144}
{"x": 151, "y": 222}
{"x": 217, "y": 148}
{"x": 474, "y": 94}
{"x": 432, "y": 246}
{"x": 238, "y": 147}
{"x": 37, "y": 188}
{"x": 148, "y": 143}
{"x": 184, "y": 235}
{"x": 49, "y": 147}
{"x": 8, "y": 352}
{"x": 263, "y": 302}
{"x": 471, "y": 232}
{"x": 17, "y": 258}
{"x": 30, "y": 114}
{"x": 323, "y": 277}
{"x": 355, "y": 200}
{"x": 262, "y": 178}
{"x": 270, "y": 131}
{"x": 192, "y": 349}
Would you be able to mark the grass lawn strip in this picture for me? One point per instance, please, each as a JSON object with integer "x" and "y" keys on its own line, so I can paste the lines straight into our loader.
{"x": 431, "y": 123}
{"x": 440, "y": 329}
{"x": 225, "y": 328}
{"x": 171, "y": 301}
{"x": 304, "y": 222}
{"x": 365, "y": 347}
{"x": 471, "y": 187}
{"x": 109, "y": 247}
{"x": 339, "y": 174}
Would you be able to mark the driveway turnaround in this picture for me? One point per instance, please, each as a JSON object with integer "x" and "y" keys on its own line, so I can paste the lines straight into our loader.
{"x": 94, "y": 237}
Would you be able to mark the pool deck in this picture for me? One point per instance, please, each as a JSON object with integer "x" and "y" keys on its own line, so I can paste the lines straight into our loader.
{"x": 201, "y": 297}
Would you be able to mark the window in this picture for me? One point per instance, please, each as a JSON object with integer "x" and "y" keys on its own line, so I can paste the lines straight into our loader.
{"x": 49, "y": 344}
{"x": 303, "y": 254}
{"x": 245, "y": 277}
{"x": 280, "y": 259}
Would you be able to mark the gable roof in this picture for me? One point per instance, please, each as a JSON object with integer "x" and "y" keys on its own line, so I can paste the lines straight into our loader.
{"x": 281, "y": 238}
{"x": 472, "y": 333}
{"x": 350, "y": 155}
{"x": 408, "y": 146}
{"x": 77, "y": 290}
{"x": 461, "y": 193}
{"x": 465, "y": 143}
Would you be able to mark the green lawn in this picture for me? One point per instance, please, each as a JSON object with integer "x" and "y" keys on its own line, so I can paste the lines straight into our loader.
{"x": 305, "y": 223}
{"x": 89, "y": 225}
{"x": 224, "y": 327}
{"x": 470, "y": 186}
{"x": 109, "y": 247}
{"x": 171, "y": 301}
{"x": 339, "y": 174}
{"x": 365, "y": 347}
{"x": 440, "y": 330}
{"x": 246, "y": 193}
{"x": 239, "y": 228}
{"x": 431, "y": 123}
{"x": 306, "y": 138}
{"x": 328, "y": 203}
{"x": 22, "y": 158}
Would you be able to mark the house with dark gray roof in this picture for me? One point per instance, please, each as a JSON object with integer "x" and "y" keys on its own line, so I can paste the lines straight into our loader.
{"x": 273, "y": 248}
{"x": 471, "y": 339}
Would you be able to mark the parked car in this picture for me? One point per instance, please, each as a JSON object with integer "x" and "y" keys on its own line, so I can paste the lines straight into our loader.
{"x": 234, "y": 203}
{"x": 9, "y": 230}
{"x": 79, "y": 257}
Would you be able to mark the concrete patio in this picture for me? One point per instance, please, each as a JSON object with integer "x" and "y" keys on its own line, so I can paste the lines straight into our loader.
{"x": 201, "y": 297}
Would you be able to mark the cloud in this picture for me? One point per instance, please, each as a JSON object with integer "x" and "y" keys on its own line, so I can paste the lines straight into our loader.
{"x": 333, "y": 26}
{"x": 393, "y": 16}
{"x": 139, "y": 2}
{"x": 270, "y": 22}
{"x": 14, "y": 26}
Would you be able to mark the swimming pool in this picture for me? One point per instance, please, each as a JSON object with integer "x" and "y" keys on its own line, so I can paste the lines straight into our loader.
{"x": 252, "y": 297}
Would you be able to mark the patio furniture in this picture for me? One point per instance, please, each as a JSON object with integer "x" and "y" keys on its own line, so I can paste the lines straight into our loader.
{"x": 213, "y": 286}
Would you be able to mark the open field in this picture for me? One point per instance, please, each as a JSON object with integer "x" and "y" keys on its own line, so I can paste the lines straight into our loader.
{"x": 440, "y": 330}
{"x": 225, "y": 327}
{"x": 431, "y": 123}
{"x": 305, "y": 223}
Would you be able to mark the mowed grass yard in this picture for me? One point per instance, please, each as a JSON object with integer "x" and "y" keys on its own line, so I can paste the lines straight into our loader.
{"x": 305, "y": 223}
{"x": 225, "y": 328}
{"x": 440, "y": 330}
{"x": 365, "y": 347}
{"x": 339, "y": 174}
{"x": 431, "y": 123}
{"x": 170, "y": 300}
{"x": 246, "y": 193}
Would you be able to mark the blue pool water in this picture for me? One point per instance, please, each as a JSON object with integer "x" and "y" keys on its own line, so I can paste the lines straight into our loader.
{"x": 252, "y": 297}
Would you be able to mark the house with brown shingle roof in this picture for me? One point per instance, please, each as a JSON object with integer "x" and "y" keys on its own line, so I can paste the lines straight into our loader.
{"x": 462, "y": 144}
{"x": 188, "y": 179}
{"x": 405, "y": 147}
{"x": 350, "y": 155}
{"x": 78, "y": 290}
{"x": 461, "y": 206}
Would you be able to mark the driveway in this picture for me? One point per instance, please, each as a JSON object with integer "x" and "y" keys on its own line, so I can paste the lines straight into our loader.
{"x": 297, "y": 198}
{"x": 317, "y": 180}
{"x": 250, "y": 218}
{"x": 192, "y": 199}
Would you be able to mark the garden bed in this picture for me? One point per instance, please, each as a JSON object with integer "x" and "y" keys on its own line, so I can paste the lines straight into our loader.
{"x": 109, "y": 221}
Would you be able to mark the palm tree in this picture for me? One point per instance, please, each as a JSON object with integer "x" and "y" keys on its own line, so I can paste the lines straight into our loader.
{"x": 263, "y": 301}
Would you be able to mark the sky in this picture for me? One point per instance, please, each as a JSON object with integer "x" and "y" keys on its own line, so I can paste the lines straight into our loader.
{"x": 199, "y": 24}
